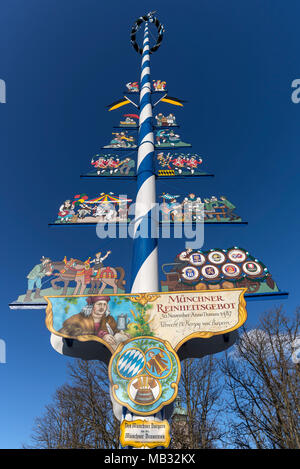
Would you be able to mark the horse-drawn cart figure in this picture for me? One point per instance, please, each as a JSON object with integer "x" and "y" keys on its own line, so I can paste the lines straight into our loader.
{"x": 69, "y": 278}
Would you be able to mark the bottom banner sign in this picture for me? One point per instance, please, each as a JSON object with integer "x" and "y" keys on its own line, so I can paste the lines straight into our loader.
{"x": 145, "y": 433}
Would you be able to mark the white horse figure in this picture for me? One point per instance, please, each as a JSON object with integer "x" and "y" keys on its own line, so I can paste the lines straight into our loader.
{"x": 107, "y": 212}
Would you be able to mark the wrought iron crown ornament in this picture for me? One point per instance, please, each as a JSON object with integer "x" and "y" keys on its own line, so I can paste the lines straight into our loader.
{"x": 145, "y": 19}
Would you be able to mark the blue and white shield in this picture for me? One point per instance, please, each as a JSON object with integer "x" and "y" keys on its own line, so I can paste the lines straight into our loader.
{"x": 131, "y": 363}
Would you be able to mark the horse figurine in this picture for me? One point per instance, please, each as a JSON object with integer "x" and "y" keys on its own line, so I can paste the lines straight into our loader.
{"x": 107, "y": 276}
{"x": 82, "y": 274}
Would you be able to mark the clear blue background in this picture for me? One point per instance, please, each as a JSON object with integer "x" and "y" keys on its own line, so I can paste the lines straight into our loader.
{"x": 63, "y": 61}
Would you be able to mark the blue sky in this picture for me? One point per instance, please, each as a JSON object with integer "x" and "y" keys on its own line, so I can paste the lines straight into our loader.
{"x": 63, "y": 62}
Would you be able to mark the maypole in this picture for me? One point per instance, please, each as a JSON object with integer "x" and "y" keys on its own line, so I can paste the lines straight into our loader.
{"x": 145, "y": 253}
{"x": 145, "y": 249}
{"x": 143, "y": 335}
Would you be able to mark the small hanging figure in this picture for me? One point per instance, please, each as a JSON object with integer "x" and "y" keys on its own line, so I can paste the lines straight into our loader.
{"x": 171, "y": 119}
{"x": 35, "y": 278}
{"x": 173, "y": 138}
{"x": 159, "y": 85}
{"x": 100, "y": 164}
{"x": 98, "y": 260}
{"x": 192, "y": 163}
{"x": 113, "y": 165}
{"x": 132, "y": 86}
{"x": 178, "y": 163}
{"x": 121, "y": 140}
{"x": 66, "y": 212}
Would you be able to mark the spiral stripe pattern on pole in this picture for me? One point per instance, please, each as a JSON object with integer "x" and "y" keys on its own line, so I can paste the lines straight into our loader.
{"x": 145, "y": 262}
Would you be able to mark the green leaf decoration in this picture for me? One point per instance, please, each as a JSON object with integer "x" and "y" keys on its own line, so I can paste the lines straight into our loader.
{"x": 73, "y": 301}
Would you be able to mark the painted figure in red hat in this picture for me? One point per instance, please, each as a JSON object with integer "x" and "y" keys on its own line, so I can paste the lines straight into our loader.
{"x": 95, "y": 319}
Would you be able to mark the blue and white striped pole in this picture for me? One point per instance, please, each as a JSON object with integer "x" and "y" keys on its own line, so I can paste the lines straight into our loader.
{"x": 145, "y": 255}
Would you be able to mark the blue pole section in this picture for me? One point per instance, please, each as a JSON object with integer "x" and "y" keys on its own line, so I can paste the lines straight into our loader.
{"x": 145, "y": 255}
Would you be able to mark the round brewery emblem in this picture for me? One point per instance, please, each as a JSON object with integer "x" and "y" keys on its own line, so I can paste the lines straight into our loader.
{"x": 231, "y": 270}
{"x": 216, "y": 257}
{"x": 144, "y": 390}
{"x": 190, "y": 273}
{"x": 131, "y": 363}
{"x": 158, "y": 363}
{"x": 252, "y": 268}
{"x": 196, "y": 258}
{"x": 210, "y": 271}
{"x": 237, "y": 255}
{"x": 184, "y": 255}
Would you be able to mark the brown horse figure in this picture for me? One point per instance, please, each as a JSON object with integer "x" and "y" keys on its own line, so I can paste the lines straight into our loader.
{"x": 108, "y": 276}
{"x": 82, "y": 274}
{"x": 74, "y": 269}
